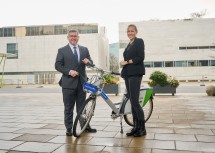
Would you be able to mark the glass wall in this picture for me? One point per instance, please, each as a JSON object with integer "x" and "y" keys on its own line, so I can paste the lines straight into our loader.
{"x": 190, "y": 63}
{"x": 48, "y": 30}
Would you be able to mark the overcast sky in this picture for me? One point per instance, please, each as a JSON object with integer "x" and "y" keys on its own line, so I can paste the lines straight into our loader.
{"x": 106, "y": 13}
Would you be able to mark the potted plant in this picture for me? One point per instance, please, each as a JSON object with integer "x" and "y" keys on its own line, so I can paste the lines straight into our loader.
{"x": 111, "y": 84}
{"x": 161, "y": 83}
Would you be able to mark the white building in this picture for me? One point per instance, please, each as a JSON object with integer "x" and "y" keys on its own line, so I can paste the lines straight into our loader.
{"x": 36, "y": 49}
{"x": 181, "y": 48}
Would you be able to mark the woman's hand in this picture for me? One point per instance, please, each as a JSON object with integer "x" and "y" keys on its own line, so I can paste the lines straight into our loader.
{"x": 123, "y": 63}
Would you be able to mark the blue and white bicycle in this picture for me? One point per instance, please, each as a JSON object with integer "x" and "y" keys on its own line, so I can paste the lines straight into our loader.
{"x": 120, "y": 109}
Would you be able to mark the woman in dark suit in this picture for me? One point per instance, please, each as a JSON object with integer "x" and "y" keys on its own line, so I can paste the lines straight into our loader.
{"x": 132, "y": 71}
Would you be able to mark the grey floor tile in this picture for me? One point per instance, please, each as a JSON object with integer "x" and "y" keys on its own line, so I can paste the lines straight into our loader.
{"x": 125, "y": 150}
{"x": 79, "y": 149}
{"x": 34, "y": 137}
{"x": 180, "y": 137}
{"x": 195, "y": 146}
{"x": 37, "y": 147}
{"x": 8, "y": 136}
{"x": 9, "y": 144}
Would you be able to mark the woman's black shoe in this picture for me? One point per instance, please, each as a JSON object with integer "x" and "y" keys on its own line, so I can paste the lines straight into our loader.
{"x": 139, "y": 133}
{"x": 68, "y": 132}
{"x": 132, "y": 132}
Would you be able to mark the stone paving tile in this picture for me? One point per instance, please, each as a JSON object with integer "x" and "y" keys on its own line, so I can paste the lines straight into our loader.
{"x": 160, "y": 130}
{"x": 142, "y": 143}
{"x": 20, "y": 152}
{"x": 9, "y": 124}
{"x": 194, "y": 131}
{"x": 41, "y": 131}
{"x": 34, "y": 137}
{"x": 125, "y": 150}
{"x": 9, "y": 144}
{"x": 54, "y": 126}
{"x": 79, "y": 149}
{"x": 8, "y": 136}
{"x": 37, "y": 147}
{"x": 179, "y": 137}
{"x": 28, "y": 125}
{"x": 3, "y": 151}
{"x": 104, "y": 134}
{"x": 70, "y": 140}
{"x": 206, "y": 126}
{"x": 110, "y": 142}
{"x": 171, "y": 151}
{"x": 195, "y": 146}
{"x": 205, "y": 138}
{"x": 9, "y": 129}
{"x": 33, "y": 121}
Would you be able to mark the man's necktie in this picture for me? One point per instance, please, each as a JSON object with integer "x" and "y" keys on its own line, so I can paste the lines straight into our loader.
{"x": 75, "y": 53}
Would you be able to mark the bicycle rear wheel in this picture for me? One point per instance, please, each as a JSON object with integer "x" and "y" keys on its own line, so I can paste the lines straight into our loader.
{"x": 147, "y": 109}
{"x": 83, "y": 117}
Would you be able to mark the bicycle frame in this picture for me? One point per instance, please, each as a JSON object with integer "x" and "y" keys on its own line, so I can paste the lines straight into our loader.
{"x": 145, "y": 95}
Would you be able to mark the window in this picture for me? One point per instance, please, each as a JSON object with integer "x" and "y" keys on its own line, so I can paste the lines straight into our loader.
{"x": 168, "y": 63}
{"x": 203, "y": 47}
{"x": 148, "y": 64}
{"x": 1, "y": 32}
{"x": 182, "y": 48}
{"x": 192, "y": 63}
{"x": 158, "y": 64}
{"x": 212, "y": 62}
{"x": 203, "y": 63}
{"x": 180, "y": 63}
{"x": 12, "y": 49}
{"x": 8, "y": 32}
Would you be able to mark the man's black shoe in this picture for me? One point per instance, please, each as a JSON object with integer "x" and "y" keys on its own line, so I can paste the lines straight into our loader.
{"x": 68, "y": 132}
{"x": 90, "y": 130}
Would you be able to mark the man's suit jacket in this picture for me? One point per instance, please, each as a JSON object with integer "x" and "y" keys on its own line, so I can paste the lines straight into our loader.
{"x": 66, "y": 61}
{"x": 136, "y": 52}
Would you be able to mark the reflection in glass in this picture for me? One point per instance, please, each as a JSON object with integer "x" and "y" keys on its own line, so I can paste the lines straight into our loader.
{"x": 203, "y": 63}
{"x": 148, "y": 64}
{"x": 180, "y": 63}
{"x": 158, "y": 64}
{"x": 192, "y": 63}
{"x": 212, "y": 62}
{"x": 168, "y": 63}
{"x": 12, "y": 49}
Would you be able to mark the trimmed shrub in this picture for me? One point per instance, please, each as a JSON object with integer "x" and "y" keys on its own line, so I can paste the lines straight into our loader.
{"x": 210, "y": 90}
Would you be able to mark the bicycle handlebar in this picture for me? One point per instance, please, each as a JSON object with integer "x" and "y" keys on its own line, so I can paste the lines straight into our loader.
{"x": 92, "y": 66}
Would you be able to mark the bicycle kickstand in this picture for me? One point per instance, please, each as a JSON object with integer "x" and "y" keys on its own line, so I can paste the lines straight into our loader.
{"x": 121, "y": 124}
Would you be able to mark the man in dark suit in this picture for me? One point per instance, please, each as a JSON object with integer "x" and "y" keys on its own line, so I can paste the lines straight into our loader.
{"x": 71, "y": 61}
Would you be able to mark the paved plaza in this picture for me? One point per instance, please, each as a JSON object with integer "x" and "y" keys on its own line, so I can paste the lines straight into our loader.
{"x": 33, "y": 122}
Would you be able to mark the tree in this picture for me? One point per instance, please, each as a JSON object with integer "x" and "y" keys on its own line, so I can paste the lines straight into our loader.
{"x": 198, "y": 14}
{"x": 114, "y": 63}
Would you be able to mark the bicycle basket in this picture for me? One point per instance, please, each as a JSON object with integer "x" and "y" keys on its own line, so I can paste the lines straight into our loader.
{"x": 95, "y": 80}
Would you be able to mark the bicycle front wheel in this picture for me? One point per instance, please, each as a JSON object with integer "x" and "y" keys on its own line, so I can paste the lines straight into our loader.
{"x": 147, "y": 109}
{"x": 83, "y": 117}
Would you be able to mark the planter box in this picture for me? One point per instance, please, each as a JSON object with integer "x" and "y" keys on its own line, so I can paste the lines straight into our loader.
{"x": 165, "y": 89}
{"x": 111, "y": 89}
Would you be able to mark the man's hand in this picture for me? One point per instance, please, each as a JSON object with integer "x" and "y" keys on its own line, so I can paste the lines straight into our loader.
{"x": 85, "y": 61}
{"x": 73, "y": 73}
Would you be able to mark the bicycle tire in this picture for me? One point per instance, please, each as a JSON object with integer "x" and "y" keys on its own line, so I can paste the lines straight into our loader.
{"x": 84, "y": 116}
{"x": 147, "y": 109}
